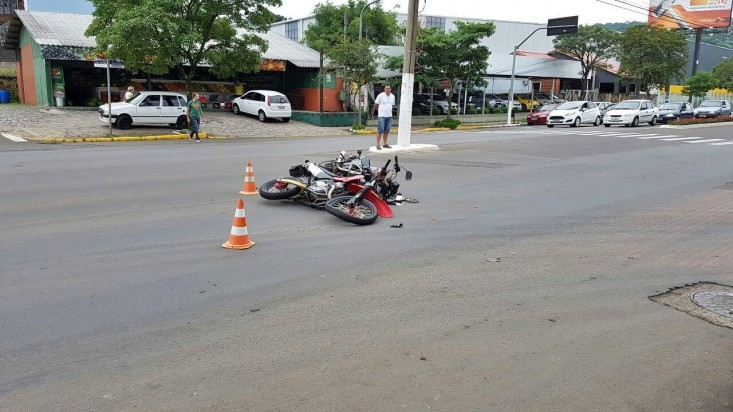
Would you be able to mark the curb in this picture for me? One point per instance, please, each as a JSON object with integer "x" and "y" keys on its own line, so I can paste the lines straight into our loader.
{"x": 181, "y": 136}
{"x": 436, "y": 129}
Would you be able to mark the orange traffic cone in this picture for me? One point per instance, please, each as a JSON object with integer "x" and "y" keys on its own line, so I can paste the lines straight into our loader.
{"x": 239, "y": 239}
{"x": 249, "y": 187}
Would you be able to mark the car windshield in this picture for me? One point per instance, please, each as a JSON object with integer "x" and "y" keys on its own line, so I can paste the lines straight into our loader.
{"x": 670, "y": 106}
{"x": 627, "y": 106}
{"x": 137, "y": 98}
{"x": 569, "y": 106}
{"x": 439, "y": 98}
{"x": 711, "y": 103}
{"x": 547, "y": 107}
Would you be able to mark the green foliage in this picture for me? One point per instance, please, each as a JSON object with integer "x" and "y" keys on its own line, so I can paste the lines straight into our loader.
{"x": 653, "y": 56}
{"x": 719, "y": 119}
{"x": 356, "y": 61}
{"x": 378, "y": 26}
{"x": 155, "y": 36}
{"x": 449, "y": 123}
{"x": 593, "y": 46}
{"x": 93, "y": 102}
{"x": 724, "y": 73}
{"x": 357, "y": 126}
{"x": 453, "y": 56}
{"x": 700, "y": 84}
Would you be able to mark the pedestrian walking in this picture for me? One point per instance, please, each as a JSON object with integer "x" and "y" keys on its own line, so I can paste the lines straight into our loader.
{"x": 384, "y": 103}
{"x": 194, "y": 117}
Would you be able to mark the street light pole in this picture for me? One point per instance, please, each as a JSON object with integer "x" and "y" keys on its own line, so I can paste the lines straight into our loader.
{"x": 361, "y": 18}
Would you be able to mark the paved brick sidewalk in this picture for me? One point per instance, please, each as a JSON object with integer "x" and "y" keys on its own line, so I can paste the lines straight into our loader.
{"x": 34, "y": 123}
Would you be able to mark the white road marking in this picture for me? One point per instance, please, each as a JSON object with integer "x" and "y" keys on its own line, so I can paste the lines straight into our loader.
{"x": 13, "y": 138}
{"x": 682, "y": 138}
{"x": 722, "y": 143}
{"x": 706, "y": 141}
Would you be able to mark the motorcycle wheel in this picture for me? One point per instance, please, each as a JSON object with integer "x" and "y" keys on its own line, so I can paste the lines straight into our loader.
{"x": 274, "y": 190}
{"x": 362, "y": 212}
{"x": 329, "y": 165}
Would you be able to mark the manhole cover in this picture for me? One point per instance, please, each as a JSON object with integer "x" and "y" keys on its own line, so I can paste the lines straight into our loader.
{"x": 718, "y": 302}
{"x": 709, "y": 301}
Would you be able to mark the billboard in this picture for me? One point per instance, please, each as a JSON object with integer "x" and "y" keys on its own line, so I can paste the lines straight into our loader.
{"x": 690, "y": 14}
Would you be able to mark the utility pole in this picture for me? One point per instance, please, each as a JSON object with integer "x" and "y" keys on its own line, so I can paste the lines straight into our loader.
{"x": 408, "y": 76}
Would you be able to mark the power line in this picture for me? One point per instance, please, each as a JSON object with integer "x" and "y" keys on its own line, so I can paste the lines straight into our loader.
{"x": 636, "y": 8}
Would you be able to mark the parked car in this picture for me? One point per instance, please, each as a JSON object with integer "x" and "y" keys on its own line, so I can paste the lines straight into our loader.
{"x": 516, "y": 106}
{"x": 539, "y": 116}
{"x": 438, "y": 102}
{"x": 222, "y": 101}
{"x": 264, "y": 104}
{"x": 575, "y": 113}
{"x": 604, "y": 107}
{"x": 149, "y": 107}
{"x": 464, "y": 100}
{"x": 713, "y": 108}
{"x": 528, "y": 101}
{"x": 631, "y": 113}
{"x": 675, "y": 111}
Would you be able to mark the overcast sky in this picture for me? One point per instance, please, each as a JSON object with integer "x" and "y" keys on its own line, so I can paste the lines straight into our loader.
{"x": 534, "y": 11}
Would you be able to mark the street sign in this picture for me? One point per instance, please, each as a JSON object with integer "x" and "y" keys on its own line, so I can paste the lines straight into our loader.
{"x": 113, "y": 64}
{"x": 562, "y": 25}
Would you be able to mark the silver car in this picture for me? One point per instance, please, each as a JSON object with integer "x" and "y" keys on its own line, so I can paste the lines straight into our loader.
{"x": 713, "y": 108}
{"x": 631, "y": 113}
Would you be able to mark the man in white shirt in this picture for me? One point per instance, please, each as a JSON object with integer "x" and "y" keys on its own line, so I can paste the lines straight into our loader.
{"x": 383, "y": 103}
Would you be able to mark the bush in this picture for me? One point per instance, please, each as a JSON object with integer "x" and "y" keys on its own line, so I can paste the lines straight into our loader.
{"x": 719, "y": 119}
{"x": 416, "y": 111}
{"x": 357, "y": 126}
{"x": 93, "y": 102}
{"x": 449, "y": 123}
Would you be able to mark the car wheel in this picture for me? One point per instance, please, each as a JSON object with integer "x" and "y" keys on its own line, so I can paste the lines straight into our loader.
{"x": 597, "y": 121}
{"x": 262, "y": 116}
{"x": 286, "y": 119}
{"x": 635, "y": 122}
{"x": 182, "y": 123}
{"x": 235, "y": 109}
{"x": 654, "y": 121}
{"x": 124, "y": 122}
{"x": 576, "y": 122}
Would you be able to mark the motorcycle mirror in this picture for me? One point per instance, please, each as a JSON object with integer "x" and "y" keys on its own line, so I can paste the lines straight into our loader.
{"x": 408, "y": 175}
{"x": 358, "y": 152}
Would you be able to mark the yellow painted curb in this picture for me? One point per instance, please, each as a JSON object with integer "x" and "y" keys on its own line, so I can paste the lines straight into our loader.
{"x": 118, "y": 138}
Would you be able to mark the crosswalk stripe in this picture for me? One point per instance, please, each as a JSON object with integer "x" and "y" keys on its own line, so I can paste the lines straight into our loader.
{"x": 681, "y": 138}
{"x": 706, "y": 141}
{"x": 722, "y": 143}
{"x": 13, "y": 138}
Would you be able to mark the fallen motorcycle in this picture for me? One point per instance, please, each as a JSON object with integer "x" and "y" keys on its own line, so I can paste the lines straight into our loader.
{"x": 314, "y": 186}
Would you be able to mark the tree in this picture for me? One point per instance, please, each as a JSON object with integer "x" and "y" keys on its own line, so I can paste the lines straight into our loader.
{"x": 155, "y": 36}
{"x": 356, "y": 61}
{"x": 700, "y": 83}
{"x": 653, "y": 56}
{"x": 592, "y": 46}
{"x": 452, "y": 56}
{"x": 334, "y": 23}
{"x": 724, "y": 73}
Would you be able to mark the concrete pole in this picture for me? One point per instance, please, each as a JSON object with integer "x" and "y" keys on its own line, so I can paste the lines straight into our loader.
{"x": 408, "y": 76}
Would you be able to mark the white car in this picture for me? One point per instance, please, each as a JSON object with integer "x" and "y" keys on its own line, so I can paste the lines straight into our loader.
{"x": 574, "y": 114}
{"x": 631, "y": 113}
{"x": 713, "y": 108}
{"x": 147, "y": 108}
{"x": 264, "y": 104}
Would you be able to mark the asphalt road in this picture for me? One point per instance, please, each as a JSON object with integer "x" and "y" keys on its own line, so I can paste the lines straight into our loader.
{"x": 521, "y": 281}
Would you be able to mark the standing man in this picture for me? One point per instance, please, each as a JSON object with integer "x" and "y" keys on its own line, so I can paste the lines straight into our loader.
{"x": 194, "y": 117}
{"x": 384, "y": 103}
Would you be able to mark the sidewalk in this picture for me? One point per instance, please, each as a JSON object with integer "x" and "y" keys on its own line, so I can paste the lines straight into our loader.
{"x": 69, "y": 125}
